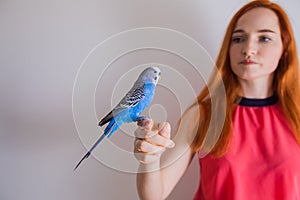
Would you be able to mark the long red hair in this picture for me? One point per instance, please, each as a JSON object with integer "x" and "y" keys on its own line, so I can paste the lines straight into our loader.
{"x": 286, "y": 86}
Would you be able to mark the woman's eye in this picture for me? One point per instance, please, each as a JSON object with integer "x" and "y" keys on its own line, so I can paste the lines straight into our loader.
{"x": 265, "y": 39}
{"x": 238, "y": 39}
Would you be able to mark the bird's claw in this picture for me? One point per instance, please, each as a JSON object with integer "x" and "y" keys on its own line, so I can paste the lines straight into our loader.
{"x": 140, "y": 119}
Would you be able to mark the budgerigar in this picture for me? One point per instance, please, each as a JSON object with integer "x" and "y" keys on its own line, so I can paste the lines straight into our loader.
{"x": 131, "y": 106}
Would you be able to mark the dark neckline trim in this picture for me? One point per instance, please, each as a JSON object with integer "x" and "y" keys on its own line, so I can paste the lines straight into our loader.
{"x": 258, "y": 102}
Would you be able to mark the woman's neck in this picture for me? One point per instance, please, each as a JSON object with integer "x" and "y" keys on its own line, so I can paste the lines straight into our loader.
{"x": 258, "y": 88}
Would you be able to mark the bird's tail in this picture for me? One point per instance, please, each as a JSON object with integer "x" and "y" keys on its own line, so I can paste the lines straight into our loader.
{"x": 111, "y": 127}
{"x": 90, "y": 151}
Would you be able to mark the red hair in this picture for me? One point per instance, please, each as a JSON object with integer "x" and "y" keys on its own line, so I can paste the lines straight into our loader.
{"x": 286, "y": 86}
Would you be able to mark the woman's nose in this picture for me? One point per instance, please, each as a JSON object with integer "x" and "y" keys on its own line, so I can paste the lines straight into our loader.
{"x": 250, "y": 48}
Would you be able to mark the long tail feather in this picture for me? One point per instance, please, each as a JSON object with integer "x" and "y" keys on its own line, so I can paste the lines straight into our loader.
{"x": 109, "y": 130}
{"x": 90, "y": 151}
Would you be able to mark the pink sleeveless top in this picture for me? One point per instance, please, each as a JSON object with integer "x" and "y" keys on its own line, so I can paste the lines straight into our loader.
{"x": 263, "y": 160}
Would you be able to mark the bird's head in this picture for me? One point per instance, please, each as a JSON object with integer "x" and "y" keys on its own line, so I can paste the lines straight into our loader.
{"x": 150, "y": 74}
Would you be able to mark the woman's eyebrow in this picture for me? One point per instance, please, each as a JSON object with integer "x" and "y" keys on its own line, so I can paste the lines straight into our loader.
{"x": 266, "y": 31}
{"x": 239, "y": 31}
{"x": 259, "y": 31}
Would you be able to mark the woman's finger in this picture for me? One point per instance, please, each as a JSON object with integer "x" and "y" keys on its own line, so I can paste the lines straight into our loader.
{"x": 142, "y": 146}
{"x": 164, "y": 129}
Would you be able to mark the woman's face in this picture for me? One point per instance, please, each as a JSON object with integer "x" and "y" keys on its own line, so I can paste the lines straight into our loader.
{"x": 256, "y": 45}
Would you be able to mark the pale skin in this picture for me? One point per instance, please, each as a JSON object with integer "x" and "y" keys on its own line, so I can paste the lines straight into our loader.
{"x": 255, "y": 50}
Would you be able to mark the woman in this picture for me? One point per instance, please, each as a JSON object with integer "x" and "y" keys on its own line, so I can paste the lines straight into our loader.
{"x": 257, "y": 152}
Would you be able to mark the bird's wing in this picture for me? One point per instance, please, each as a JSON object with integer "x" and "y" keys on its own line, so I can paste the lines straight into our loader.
{"x": 131, "y": 99}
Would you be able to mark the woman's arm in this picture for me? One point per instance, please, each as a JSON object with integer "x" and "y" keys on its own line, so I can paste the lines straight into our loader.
{"x": 160, "y": 172}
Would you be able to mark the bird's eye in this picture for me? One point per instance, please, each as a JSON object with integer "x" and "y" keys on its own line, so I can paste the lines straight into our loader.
{"x": 155, "y": 72}
{"x": 155, "y": 78}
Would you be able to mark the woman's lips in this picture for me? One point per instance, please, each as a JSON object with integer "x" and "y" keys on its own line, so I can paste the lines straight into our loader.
{"x": 247, "y": 62}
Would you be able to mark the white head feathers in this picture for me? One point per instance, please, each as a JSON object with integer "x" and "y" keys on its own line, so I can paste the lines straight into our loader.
{"x": 150, "y": 74}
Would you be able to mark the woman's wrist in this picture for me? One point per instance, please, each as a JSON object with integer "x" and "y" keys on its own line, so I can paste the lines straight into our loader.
{"x": 146, "y": 167}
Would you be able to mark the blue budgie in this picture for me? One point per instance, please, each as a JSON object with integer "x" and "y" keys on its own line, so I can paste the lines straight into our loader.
{"x": 131, "y": 106}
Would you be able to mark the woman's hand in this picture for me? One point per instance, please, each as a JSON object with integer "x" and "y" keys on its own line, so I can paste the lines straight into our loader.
{"x": 152, "y": 139}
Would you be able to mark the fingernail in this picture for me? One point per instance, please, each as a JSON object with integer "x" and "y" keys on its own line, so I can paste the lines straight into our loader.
{"x": 164, "y": 133}
{"x": 171, "y": 144}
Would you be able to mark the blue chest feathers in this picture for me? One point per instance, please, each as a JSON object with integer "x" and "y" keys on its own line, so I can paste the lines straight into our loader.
{"x": 149, "y": 89}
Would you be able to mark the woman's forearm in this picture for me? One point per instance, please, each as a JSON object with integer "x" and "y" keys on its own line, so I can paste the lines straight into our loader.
{"x": 150, "y": 182}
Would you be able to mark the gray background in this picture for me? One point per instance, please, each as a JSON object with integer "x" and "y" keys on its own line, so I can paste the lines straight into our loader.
{"x": 43, "y": 44}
